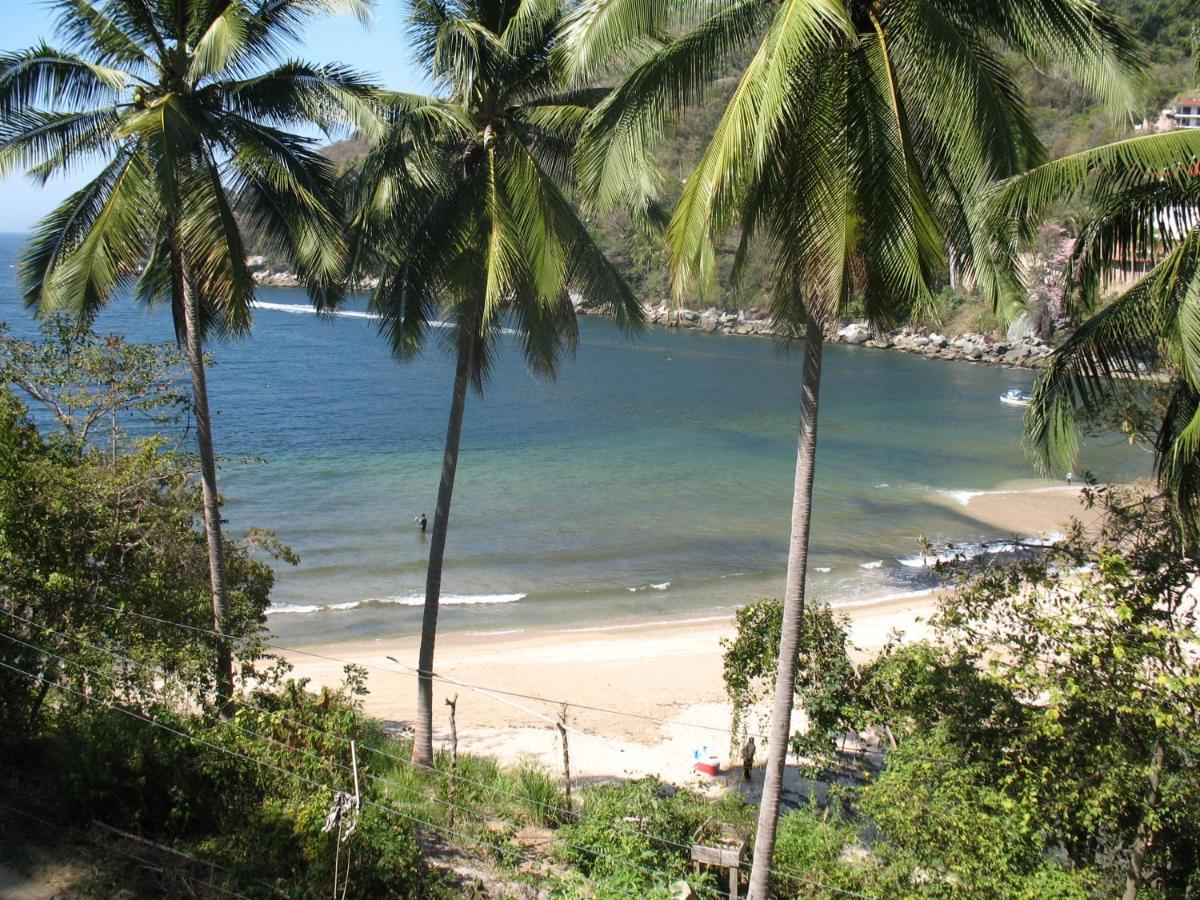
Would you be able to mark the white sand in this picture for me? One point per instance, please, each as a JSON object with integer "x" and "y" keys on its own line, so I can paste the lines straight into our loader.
{"x": 664, "y": 671}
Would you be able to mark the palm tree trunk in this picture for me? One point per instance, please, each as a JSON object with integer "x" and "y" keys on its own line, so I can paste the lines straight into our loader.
{"x": 422, "y": 752}
{"x": 208, "y": 483}
{"x": 793, "y": 615}
{"x": 1141, "y": 845}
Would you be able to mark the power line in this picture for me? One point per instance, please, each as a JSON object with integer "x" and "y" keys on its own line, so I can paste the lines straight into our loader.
{"x": 412, "y": 791}
{"x": 47, "y": 823}
{"x": 314, "y": 655}
{"x": 382, "y": 807}
{"x": 328, "y": 734}
{"x": 206, "y": 715}
{"x": 126, "y": 853}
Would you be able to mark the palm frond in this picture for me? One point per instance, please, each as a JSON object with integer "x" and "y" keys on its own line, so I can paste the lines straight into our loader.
{"x": 1080, "y": 37}
{"x": 49, "y": 143}
{"x": 601, "y": 36}
{"x": 210, "y": 242}
{"x": 286, "y": 194}
{"x": 751, "y": 122}
{"x": 295, "y": 93}
{"x": 94, "y": 241}
{"x": 223, "y": 34}
{"x": 614, "y": 159}
{"x": 1128, "y": 337}
{"x": 1121, "y": 165}
{"x": 44, "y": 77}
{"x": 1178, "y": 456}
{"x": 109, "y": 36}
{"x": 275, "y": 26}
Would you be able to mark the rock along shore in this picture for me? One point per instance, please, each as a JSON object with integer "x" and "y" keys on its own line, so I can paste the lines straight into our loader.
{"x": 1022, "y": 349}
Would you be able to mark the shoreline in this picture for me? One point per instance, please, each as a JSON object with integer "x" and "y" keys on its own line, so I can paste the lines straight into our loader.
{"x": 1023, "y": 350}
{"x": 663, "y": 675}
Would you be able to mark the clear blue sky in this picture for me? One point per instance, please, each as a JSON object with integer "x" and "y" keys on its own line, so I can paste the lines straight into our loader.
{"x": 380, "y": 51}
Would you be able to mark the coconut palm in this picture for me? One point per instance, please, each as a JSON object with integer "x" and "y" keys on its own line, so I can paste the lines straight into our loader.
{"x": 184, "y": 105}
{"x": 856, "y": 138}
{"x": 1144, "y": 213}
{"x": 465, "y": 209}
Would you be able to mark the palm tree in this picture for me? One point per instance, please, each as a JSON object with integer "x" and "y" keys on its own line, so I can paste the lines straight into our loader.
{"x": 1144, "y": 211}
{"x": 185, "y": 105}
{"x": 464, "y": 208}
{"x": 855, "y": 141}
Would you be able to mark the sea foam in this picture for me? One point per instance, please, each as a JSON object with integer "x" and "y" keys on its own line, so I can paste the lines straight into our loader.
{"x": 398, "y": 600}
{"x": 970, "y": 550}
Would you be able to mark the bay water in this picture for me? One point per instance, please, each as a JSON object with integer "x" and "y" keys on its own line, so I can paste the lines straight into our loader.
{"x": 651, "y": 481}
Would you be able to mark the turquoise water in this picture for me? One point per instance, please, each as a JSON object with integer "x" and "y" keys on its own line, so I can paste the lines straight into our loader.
{"x": 651, "y": 480}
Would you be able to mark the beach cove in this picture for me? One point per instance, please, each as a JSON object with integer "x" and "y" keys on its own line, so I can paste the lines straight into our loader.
{"x": 645, "y": 695}
{"x": 650, "y": 482}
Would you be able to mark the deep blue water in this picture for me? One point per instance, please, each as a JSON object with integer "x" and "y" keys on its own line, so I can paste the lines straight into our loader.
{"x": 652, "y": 479}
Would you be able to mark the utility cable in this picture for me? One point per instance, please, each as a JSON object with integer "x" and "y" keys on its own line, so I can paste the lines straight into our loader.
{"x": 382, "y": 807}
{"x": 401, "y": 760}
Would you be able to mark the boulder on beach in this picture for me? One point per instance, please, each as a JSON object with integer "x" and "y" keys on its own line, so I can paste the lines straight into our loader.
{"x": 854, "y": 333}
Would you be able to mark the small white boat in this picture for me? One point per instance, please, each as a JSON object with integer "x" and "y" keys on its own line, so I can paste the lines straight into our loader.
{"x": 1016, "y": 397}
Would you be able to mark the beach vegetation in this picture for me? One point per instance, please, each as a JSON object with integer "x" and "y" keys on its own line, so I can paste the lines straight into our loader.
{"x": 182, "y": 106}
{"x": 818, "y": 854}
{"x": 909, "y": 111}
{"x": 541, "y": 795}
{"x": 826, "y": 683}
{"x": 1140, "y": 225}
{"x": 97, "y": 532}
{"x": 1041, "y": 740}
{"x": 464, "y": 209}
{"x": 658, "y": 825}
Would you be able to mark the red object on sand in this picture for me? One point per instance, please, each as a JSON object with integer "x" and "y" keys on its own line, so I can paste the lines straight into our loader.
{"x": 709, "y": 766}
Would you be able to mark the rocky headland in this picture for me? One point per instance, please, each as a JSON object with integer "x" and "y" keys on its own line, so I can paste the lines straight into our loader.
{"x": 1020, "y": 347}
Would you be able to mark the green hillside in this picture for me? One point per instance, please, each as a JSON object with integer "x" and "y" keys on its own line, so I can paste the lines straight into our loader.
{"x": 1068, "y": 119}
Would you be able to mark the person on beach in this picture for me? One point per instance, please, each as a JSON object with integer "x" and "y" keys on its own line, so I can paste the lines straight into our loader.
{"x": 422, "y": 522}
{"x": 748, "y": 757}
{"x": 1070, "y": 478}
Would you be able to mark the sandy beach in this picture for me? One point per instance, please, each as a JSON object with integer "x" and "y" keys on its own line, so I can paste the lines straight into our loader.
{"x": 664, "y": 676}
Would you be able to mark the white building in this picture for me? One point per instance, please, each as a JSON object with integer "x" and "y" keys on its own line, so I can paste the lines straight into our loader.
{"x": 1186, "y": 112}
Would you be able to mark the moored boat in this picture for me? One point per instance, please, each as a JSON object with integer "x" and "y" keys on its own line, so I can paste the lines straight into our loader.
{"x": 1016, "y": 397}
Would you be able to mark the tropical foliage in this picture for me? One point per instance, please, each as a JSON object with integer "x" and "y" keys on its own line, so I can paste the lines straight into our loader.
{"x": 463, "y": 207}
{"x": 94, "y": 531}
{"x": 189, "y": 111}
{"x": 1051, "y": 714}
{"x": 1142, "y": 220}
{"x": 855, "y": 144}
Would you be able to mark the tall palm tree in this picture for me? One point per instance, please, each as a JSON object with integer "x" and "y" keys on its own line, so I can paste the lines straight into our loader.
{"x": 464, "y": 206}
{"x": 856, "y": 139}
{"x": 1144, "y": 213}
{"x": 185, "y": 104}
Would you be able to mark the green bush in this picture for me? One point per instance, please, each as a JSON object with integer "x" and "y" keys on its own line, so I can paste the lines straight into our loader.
{"x": 945, "y": 832}
{"x": 809, "y": 851}
{"x": 654, "y": 831}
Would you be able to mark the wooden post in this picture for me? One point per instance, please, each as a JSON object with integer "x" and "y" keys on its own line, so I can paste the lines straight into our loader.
{"x": 562, "y": 733}
{"x": 452, "y": 796}
{"x": 729, "y": 858}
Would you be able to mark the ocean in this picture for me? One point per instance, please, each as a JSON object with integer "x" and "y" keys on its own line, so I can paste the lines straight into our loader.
{"x": 651, "y": 481}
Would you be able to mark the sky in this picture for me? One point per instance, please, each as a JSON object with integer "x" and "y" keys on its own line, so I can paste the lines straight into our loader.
{"x": 379, "y": 50}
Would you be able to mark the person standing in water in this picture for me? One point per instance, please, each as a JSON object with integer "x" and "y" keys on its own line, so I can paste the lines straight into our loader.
{"x": 422, "y": 522}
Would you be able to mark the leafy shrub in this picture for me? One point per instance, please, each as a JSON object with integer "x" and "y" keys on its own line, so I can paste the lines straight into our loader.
{"x": 945, "y": 832}
{"x": 654, "y": 831}
{"x": 810, "y": 850}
